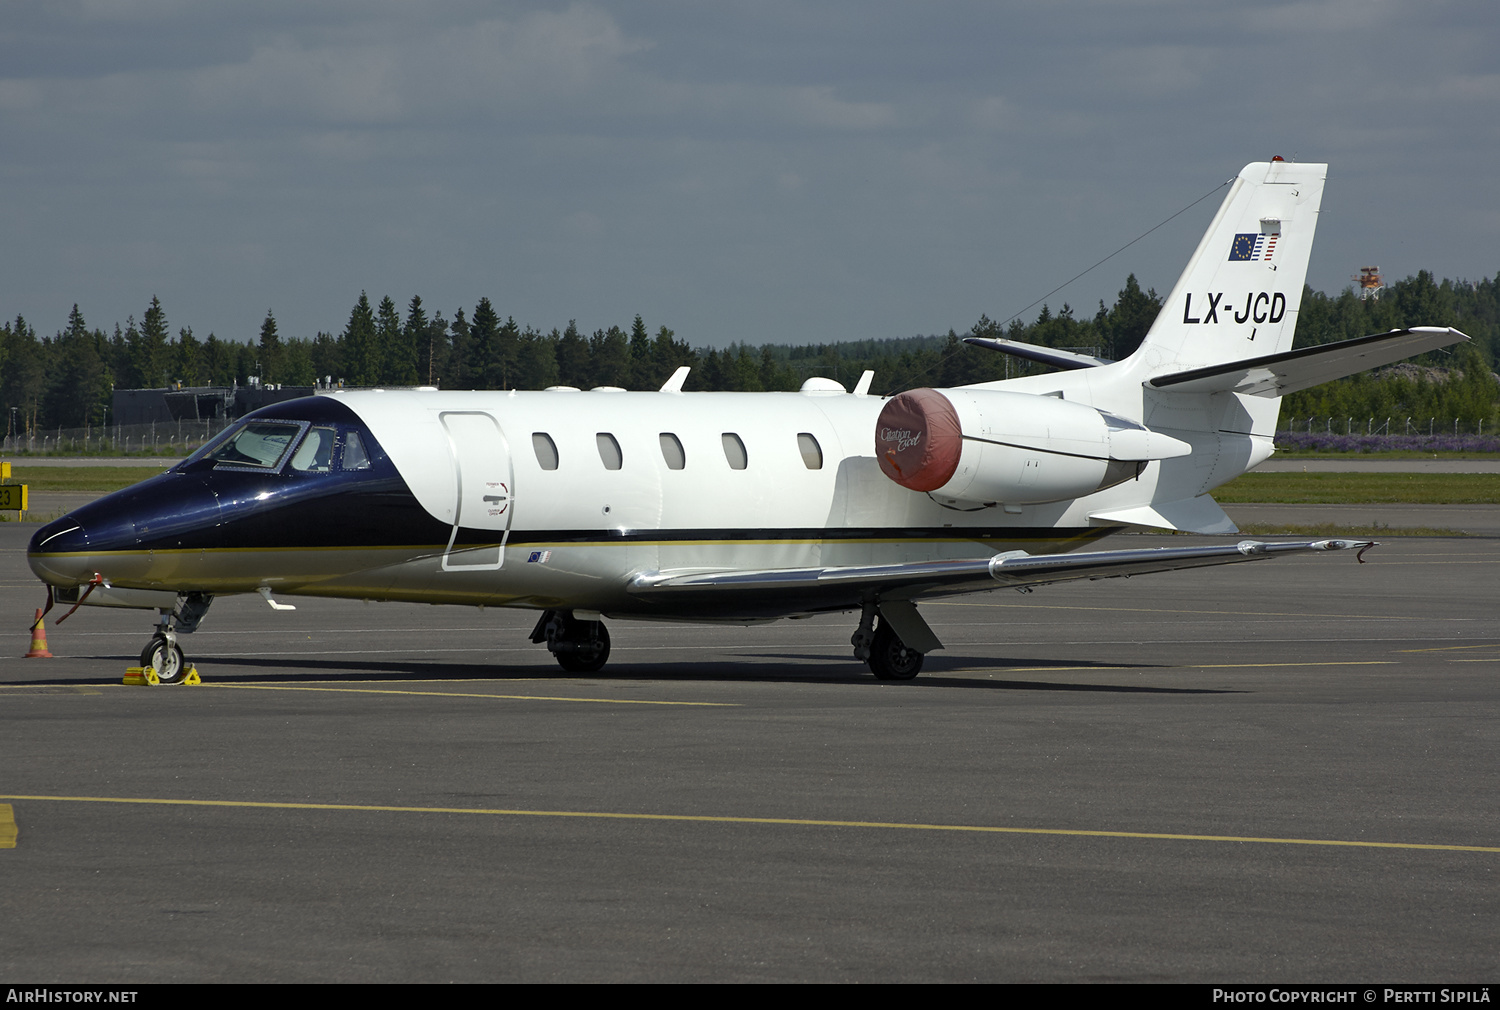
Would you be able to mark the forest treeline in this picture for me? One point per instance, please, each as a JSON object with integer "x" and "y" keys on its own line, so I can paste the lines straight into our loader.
{"x": 66, "y": 379}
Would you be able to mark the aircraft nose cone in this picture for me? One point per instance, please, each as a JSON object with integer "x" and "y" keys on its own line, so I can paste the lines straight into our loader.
{"x": 58, "y": 553}
{"x": 116, "y": 535}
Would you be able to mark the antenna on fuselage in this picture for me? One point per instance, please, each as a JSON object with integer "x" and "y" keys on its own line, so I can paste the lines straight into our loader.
{"x": 674, "y": 384}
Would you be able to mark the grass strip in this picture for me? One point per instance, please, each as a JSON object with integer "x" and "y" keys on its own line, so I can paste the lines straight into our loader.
{"x": 1381, "y": 454}
{"x": 1372, "y": 531}
{"x": 80, "y": 479}
{"x": 1363, "y": 489}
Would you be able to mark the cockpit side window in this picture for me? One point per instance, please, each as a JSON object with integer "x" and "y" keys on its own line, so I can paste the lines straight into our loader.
{"x": 354, "y": 456}
{"x": 315, "y": 454}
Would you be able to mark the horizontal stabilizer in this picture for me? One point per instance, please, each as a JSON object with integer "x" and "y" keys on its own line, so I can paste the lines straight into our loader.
{"x": 775, "y": 591}
{"x": 1035, "y": 352}
{"x": 1190, "y": 515}
{"x": 1290, "y": 371}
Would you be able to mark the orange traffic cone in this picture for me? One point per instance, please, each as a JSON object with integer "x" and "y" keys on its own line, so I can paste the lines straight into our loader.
{"x": 38, "y": 640}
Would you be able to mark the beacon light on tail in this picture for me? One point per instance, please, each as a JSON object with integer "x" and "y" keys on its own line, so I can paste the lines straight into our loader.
{"x": 599, "y": 506}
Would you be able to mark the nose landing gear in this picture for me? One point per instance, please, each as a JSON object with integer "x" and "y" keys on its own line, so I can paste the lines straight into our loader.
{"x": 162, "y": 653}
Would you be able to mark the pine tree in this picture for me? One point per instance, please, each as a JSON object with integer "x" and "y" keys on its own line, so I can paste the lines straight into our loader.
{"x": 189, "y": 358}
{"x": 456, "y": 375}
{"x": 271, "y": 351}
{"x": 508, "y": 355}
{"x": 388, "y": 340}
{"x": 536, "y": 362}
{"x": 218, "y": 361}
{"x": 79, "y": 384}
{"x": 1126, "y": 325}
{"x": 411, "y": 363}
{"x": 147, "y": 348}
{"x": 641, "y": 368}
{"x": 573, "y": 358}
{"x": 25, "y": 375}
{"x": 327, "y": 358}
{"x": 610, "y": 352}
{"x": 362, "y": 355}
{"x": 667, "y": 355}
{"x": 484, "y": 339}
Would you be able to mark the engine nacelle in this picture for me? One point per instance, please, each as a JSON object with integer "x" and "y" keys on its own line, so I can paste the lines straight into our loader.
{"x": 988, "y": 447}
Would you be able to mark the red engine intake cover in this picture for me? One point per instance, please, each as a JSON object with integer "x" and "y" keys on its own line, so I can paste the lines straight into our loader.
{"x": 918, "y": 439}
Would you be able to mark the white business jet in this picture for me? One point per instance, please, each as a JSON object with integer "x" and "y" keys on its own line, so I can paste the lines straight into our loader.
{"x": 744, "y": 507}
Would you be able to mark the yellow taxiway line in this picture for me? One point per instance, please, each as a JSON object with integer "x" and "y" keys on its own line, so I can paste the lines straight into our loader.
{"x": 1158, "y": 669}
{"x": 800, "y": 822}
{"x": 1456, "y": 648}
{"x": 471, "y": 694}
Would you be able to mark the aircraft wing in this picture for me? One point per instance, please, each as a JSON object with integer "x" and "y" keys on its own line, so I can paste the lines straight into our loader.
{"x": 1290, "y": 371}
{"x": 1035, "y": 352}
{"x": 1015, "y": 569}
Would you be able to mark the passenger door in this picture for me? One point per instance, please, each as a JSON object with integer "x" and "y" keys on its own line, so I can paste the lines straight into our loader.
{"x": 485, "y": 498}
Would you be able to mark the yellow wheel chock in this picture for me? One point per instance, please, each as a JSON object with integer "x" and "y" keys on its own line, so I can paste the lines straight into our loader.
{"x": 142, "y": 676}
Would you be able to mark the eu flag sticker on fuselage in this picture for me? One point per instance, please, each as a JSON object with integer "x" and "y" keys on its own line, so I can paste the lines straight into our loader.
{"x": 1250, "y": 246}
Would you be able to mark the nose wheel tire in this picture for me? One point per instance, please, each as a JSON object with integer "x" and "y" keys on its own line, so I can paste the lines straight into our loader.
{"x": 890, "y": 659}
{"x": 166, "y": 659}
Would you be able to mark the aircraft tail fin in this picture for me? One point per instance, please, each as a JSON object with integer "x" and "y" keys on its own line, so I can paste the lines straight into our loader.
{"x": 1239, "y": 296}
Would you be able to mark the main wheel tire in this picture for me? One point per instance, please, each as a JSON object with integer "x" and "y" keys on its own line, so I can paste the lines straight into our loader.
{"x": 890, "y": 659}
{"x": 166, "y": 659}
{"x": 592, "y": 655}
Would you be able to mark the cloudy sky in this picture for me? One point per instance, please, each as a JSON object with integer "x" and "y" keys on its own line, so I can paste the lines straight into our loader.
{"x": 756, "y": 171}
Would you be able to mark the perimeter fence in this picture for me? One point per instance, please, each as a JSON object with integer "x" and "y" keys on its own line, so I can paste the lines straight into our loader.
{"x": 1388, "y": 434}
{"x": 159, "y": 438}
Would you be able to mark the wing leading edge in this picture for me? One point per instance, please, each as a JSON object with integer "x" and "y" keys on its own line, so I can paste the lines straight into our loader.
{"x": 1291, "y": 371}
{"x": 1015, "y": 569}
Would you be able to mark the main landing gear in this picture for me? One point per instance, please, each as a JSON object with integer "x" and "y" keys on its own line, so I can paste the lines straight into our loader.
{"x": 579, "y": 646}
{"x": 893, "y": 655}
{"x": 890, "y": 659}
{"x": 162, "y": 653}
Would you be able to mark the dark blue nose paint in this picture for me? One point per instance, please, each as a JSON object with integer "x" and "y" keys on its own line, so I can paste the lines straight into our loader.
{"x": 173, "y": 510}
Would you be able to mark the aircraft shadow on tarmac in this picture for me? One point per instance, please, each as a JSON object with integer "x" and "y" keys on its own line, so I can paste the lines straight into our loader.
{"x": 298, "y": 670}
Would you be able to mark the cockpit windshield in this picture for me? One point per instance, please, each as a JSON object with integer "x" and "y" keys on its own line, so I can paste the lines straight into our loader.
{"x": 270, "y": 446}
{"x": 256, "y": 445}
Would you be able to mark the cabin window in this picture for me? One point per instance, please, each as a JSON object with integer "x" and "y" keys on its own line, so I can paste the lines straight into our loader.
{"x": 734, "y": 451}
{"x": 355, "y": 457}
{"x": 545, "y": 449}
{"x": 315, "y": 454}
{"x": 671, "y": 451}
{"x": 812, "y": 453}
{"x": 609, "y": 451}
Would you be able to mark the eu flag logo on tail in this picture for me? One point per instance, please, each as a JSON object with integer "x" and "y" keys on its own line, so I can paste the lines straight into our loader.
{"x": 1250, "y": 246}
{"x": 1245, "y": 247}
